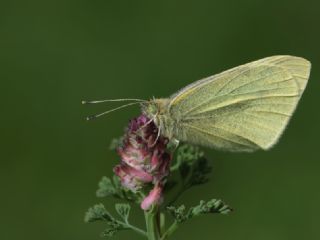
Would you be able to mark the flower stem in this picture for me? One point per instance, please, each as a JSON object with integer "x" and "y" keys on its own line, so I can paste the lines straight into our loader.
{"x": 170, "y": 230}
{"x": 161, "y": 223}
{"x": 152, "y": 225}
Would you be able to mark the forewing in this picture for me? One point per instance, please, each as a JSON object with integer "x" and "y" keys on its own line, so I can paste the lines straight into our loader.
{"x": 242, "y": 109}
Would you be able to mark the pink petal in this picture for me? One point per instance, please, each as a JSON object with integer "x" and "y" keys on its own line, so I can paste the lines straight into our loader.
{"x": 154, "y": 197}
{"x": 123, "y": 170}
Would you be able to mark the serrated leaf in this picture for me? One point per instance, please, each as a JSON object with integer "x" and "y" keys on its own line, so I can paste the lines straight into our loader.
{"x": 200, "y": 172}
{"x": 106, "y": 188}
{"x": 116, "y": 181}
{"x": 178, "y": 213}
{"x": 213, "y": 206}
{"x": 109, "y": 232}
{"x": 190, "y": 168}
{"x": 123, "y": 209}
{"x": 189, "y": 153}
{"x": 113, "y": 227}
{"x": 97, "y": 213}
{"x": 192, "y": 165}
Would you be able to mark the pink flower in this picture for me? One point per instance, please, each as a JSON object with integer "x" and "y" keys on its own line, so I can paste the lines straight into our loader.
{"x": 144, "y": 158}
{"x": 154, "y": 197}
{"x": 133, "y": 156}
{"x": 130, "y": 177}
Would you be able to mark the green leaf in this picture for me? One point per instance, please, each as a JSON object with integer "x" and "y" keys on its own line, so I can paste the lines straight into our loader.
{"x": 113, "y": 227}
{"x": 105, "y": 188}
{"x": 186, "y": 154}
{"x": 178, "y": 213}
{"x": 189, "y": 153}
{"x": 191, "y": 164}
{"x": 116, "y": 182}
{"x": 123, "y": 209}
{"x": 97, "y": 213}
{"x": 200, "y": 172}
{"x": 108, "y": 187}
{"x": 190, "y": 168}
{"x": 213, "y": 206}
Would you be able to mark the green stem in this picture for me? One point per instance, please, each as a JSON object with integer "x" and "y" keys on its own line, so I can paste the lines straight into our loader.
{"x": 138, "y": 230}
{"x": 162, "y": 223}
{"x": 152, "y": 225}
{"x": 170, "y": 230}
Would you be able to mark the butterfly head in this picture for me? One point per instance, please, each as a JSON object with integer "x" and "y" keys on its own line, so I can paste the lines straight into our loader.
{"x": 155, "y": 107}
{"x": 150, "y": 109}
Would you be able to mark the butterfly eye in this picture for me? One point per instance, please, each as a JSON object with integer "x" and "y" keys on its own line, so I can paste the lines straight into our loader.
{"x": 151, "y": 109}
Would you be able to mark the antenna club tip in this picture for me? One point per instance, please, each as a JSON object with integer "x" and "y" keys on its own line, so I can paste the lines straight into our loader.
{"x": 84, "y": 102}
{"x": 90, "y": 118}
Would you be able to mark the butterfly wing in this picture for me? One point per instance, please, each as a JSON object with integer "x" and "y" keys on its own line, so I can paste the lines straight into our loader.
{"x": 242, "y": 109}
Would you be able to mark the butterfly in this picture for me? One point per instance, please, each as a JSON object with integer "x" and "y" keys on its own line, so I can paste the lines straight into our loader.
{"x": 245, "y": 108}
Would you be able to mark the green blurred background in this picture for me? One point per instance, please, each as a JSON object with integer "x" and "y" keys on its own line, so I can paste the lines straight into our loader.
{"x": 56, "y": 53}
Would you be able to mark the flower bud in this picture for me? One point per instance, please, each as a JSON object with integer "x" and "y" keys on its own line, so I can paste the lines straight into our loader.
{"x": 154, "y": 197}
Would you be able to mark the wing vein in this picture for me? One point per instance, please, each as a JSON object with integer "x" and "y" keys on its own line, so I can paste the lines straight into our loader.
{"x": 257, "y": 80}
{"x": 224, "y": 138}
{"x": 244, "y": 100}
{"x": 272, "y": 112}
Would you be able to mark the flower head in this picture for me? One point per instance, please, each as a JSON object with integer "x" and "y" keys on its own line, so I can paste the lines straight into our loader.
{"x": 144, "y": 159}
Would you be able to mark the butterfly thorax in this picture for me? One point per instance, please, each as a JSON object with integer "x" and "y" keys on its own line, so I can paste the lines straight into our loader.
{"x": 158, "y": 110}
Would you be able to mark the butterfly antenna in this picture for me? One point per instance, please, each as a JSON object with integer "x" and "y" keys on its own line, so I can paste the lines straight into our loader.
{"x": 111, "y": 110}
{"x": 114, "y": 100}
{"x": 146, "y": 124}
{"x": 155, "y": 141}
